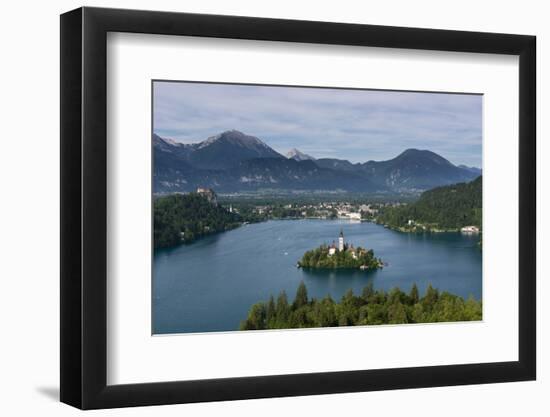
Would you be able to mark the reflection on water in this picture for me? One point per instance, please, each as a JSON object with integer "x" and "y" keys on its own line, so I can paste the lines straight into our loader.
{"x": 209, "y": 285}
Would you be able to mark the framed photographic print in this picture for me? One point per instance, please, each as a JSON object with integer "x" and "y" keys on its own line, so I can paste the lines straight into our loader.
{"x": 257, "y": 207}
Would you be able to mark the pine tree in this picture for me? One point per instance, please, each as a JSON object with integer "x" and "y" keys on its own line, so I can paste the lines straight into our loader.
{"x": 271, "y": 309}
{"x": 368, "y": 292}
{"x": 282, "y": 309}
{"x": 397, "y": 314}
{"x": 395, "y": 296}
{"x": 301, "y": 298}
{"x": 430, "y": 298}
{"x": 413, "y": 295}
{"x": 255, "y": 319}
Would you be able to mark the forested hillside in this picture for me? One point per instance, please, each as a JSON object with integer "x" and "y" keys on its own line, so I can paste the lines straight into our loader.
{"x": 443, "y": 208}
{"x": 369, "y": 308}
{"x": 183, "y": 218}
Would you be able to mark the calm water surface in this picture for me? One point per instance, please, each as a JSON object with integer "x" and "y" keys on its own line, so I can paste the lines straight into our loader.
{"x": 209, "y": 285}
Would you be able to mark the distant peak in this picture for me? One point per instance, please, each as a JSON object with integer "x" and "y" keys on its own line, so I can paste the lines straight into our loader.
{"x": 157, "y": 139}
{"x": 415, "y": 151}
{"x": 412, "y": 151}
{"x": 472, "y": 169}
{"x": 298, "y": 155}
{"x": 422, "y": 153}
{"x": 469, "y": 167}
{"x": 233, "y": 136}
{"x": 171, "y": 141}
{"x": 233, "y": 132}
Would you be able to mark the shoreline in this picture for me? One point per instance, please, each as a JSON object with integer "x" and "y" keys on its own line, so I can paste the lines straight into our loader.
{"x": 341, "y": 219}
{"x": 422, "y": 230}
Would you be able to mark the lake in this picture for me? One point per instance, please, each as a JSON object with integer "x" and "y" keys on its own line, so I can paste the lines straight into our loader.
{"x": 209, "y": 285}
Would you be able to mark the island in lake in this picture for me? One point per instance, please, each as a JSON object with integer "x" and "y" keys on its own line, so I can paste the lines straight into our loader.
{"x": 341, "y": 256}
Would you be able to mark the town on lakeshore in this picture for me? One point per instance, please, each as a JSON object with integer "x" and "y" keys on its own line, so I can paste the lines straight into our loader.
{"x": 353, "y": 210}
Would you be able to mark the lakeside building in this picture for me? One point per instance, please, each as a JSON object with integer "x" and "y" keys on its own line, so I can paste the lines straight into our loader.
{"x": 470, "y": 229}
{"x": 345, "y": 213}
{"x": 354, "y": 216}
{"x": 367, "y": 209}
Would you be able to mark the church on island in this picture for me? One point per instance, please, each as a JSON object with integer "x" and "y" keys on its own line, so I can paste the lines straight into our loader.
{"x": 341, "y": 255}
{"x": 342, "y": 247}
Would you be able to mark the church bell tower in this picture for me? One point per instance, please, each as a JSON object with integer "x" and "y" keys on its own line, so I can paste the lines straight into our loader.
{"x": 341, "y": 241}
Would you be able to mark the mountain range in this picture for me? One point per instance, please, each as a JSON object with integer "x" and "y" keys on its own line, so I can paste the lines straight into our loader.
{"x": 235, "y": 162}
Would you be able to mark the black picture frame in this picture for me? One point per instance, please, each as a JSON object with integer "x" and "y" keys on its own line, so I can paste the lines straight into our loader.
{"x": 84, "y": 207}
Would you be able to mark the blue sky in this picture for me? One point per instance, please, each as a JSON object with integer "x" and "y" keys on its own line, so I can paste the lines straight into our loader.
{"x": 358, "y": 125}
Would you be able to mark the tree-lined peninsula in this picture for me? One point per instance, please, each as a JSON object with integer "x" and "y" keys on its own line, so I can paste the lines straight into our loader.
{"x": 369, "y": 308}
{"x": 447, "y": 208}
{"x": 180, "y": 218}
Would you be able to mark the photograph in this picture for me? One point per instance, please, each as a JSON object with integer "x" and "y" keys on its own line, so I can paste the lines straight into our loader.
{"x": 286, "y": 207}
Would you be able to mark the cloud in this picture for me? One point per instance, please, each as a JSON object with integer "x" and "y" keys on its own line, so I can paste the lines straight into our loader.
{"x": 357, "y": 125}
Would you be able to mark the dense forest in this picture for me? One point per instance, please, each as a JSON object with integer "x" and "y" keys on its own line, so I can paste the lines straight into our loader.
{"x": 370, "y": 308}
{"x": 183, "y": 218}
{"x": 320, "y": 258}
{"x": 443, "y": 208}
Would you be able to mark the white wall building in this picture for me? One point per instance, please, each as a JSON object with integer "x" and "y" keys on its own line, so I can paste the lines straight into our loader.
{"x": 354, "y": 216}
